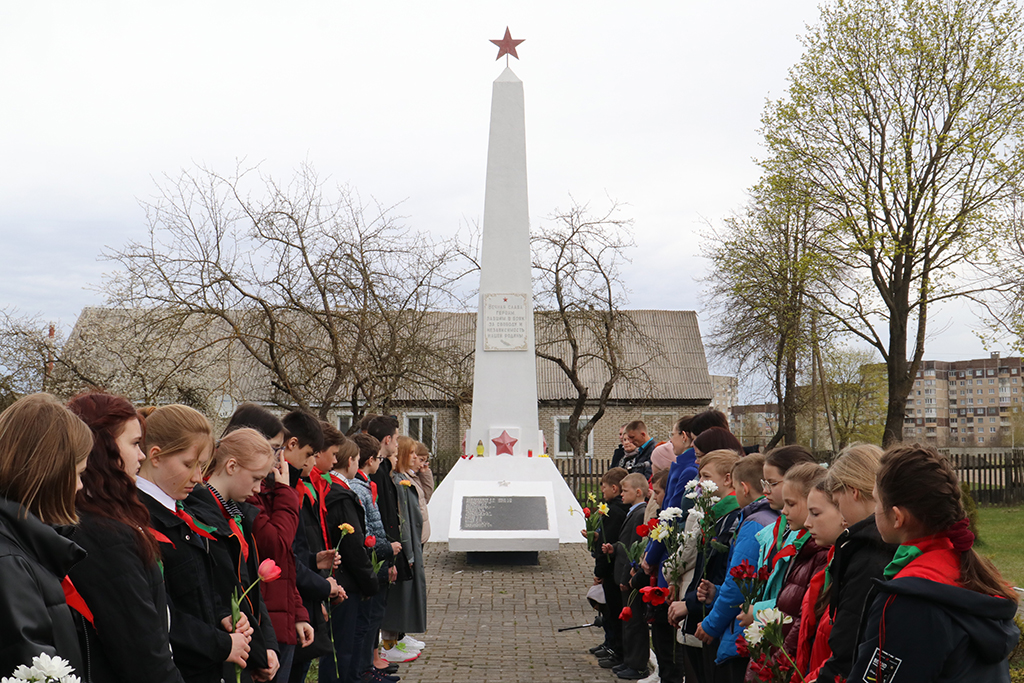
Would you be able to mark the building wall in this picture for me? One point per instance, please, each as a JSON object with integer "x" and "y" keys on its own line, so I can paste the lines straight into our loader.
{"x": 726, "y": 392}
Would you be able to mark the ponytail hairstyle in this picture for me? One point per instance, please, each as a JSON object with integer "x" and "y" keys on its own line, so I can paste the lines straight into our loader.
{"x": 922, "y": 482}
{"x": 855, "y": 470}
{"x": 247, "y": 447}
{"x": 174, "y": 429}
{"x": 806, "y": 475}
{"x": 107, "y": 490}
{"x": 42, "y": 444}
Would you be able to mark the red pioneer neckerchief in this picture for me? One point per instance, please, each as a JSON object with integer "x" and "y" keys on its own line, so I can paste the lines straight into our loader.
{"x": 197, "y": 527}
{"x": 236, "y": 530}
{"x": 75, "y": 600}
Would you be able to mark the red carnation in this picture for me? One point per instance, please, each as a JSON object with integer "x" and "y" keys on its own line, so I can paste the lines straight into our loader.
{"x": 741, "y": 646}
{"x": 626, "y": 614}
{"x": 642, "y": 530}
{"x": 765, "y": 674}
{"x": 743, "y": 571}
{"x": 370, "y": 541}
{"x": 763, "y": 573}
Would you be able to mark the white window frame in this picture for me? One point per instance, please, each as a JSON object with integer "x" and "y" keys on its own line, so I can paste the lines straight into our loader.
{"x": 568, "y": 454}
{"x": 419, "y": 415}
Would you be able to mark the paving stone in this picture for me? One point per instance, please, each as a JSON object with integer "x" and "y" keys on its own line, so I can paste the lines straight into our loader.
{"x": 499, "y": 624}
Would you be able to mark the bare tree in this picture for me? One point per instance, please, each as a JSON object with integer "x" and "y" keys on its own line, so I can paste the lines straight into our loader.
{"x": 581, "y": 326}
{"x": 327, "y": 297}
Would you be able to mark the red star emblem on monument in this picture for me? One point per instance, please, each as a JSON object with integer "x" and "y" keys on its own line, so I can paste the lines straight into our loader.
{"x": 504, "y": 443}
{"x": 506, "y": 46}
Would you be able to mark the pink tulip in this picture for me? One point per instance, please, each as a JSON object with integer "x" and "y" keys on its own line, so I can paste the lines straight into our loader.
{"x": 268, "y": 571}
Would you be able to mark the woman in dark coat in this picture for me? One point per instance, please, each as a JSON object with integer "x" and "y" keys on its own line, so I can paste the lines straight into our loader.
{"x": 43, "y": 449}
{"x": 127, "y": 639}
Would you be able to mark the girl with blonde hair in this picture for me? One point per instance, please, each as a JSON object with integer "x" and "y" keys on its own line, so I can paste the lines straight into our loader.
{"x": 177, "y": 443}
{"x": 43, "y": 450}
{"x": 240, "y": 462}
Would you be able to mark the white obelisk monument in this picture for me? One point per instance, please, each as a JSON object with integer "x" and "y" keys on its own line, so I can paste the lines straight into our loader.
{"x": 504, "y": 494}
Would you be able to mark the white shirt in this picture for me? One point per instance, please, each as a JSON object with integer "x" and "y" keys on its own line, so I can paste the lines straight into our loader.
{"x": 156, "y": 493}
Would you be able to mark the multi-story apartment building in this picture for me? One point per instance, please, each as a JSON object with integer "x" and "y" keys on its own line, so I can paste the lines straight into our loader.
{"x": 965, "y": 403}
{"x": 726, "y": 392}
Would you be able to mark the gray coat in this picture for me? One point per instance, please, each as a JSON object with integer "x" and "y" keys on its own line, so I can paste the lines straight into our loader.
{"x": 407, "y": 600}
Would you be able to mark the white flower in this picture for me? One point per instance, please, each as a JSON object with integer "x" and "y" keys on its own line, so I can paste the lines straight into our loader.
{"x": 691, "y": 485}
{"x": 70, "y": 679}
{"x": 752, "y": 634}
{"x": 715, "y": 499}
{"x": 772, "y": 615}
{"x": 660, "y": 532}
{"x": 708, "y": 486}
{"x": 22, "y": 673}
{"x": 51, "y": 667}
{"x": 668, "y": 514}
{"x": 697, "y": 513}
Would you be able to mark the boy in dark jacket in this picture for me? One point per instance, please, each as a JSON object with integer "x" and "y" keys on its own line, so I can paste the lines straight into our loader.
{"x": 608, "y": 532}
{"x": 634, "y": 628}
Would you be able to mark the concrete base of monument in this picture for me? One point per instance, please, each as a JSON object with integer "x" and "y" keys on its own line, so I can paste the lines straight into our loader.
{"x": 505, "y": 504}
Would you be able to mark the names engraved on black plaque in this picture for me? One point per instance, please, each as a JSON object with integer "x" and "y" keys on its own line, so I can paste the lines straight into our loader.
{"x": 504, "y": 513}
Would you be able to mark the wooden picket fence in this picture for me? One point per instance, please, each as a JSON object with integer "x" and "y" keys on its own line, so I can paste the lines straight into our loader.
{"x": 995, "y": 475}
{"x": 583, "y": 475}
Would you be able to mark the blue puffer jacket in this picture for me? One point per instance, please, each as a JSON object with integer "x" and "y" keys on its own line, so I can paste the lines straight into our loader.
{"x": 721, "y": 621}
{"x": 374, "y": 525}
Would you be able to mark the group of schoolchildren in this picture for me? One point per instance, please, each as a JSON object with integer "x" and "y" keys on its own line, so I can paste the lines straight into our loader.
{"x": 136, "y": 546}
{"x": 868, "y": 565}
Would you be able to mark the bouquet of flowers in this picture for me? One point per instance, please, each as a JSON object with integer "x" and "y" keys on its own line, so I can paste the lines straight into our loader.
{"x": 673, "y": 535}
{"x": 751, "y": 582}
{"x": 762, "y": 641}
{"x": 703, "y": 496}
{"x": 593, "y": 519}
{"x": 44, "y": 669}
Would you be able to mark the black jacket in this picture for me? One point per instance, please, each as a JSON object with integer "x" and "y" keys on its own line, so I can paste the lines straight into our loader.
{"x": 627, "y": 537}
{"x": 355, "y": 573}
{"x": 640, "y": 462}
{"x": 861, "y": 555}
{"x": 34, "y": 618}
{"x": 233, "y": 572}
{"x": 608, "y": 532}
{"x": 935, "y": 632}
{"x": 387, "y": 503}
{"x": 199, "y": 642}
{"x": 130, "y": 641}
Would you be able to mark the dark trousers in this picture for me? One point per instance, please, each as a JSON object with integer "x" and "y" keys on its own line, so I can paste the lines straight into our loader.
{"x": 635, "y": 639}
{"x": 286, "y": 657}
{"x": 693, "y": 661}
{"x": 666, "y": 649}
{"x": 732, "y": 670}
{"x": 611, "y": 610}
{"x": 343, "y": 629}
{"x": 371, "y": 614}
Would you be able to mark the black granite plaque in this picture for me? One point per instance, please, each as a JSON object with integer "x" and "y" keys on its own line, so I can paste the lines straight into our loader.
{"x": 504, "y": 513}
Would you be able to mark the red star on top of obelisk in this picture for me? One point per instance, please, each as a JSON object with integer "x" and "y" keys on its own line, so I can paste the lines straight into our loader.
{"x": 506, "y": 46}
{"x": 504, "y": 443}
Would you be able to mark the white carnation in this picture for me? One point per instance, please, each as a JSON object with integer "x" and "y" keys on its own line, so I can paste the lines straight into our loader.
{"x": 691, "y": 485}
{"x": 697, "y": 513}
{"x": 708, "y": 486}
{"x": 752, "y": 634}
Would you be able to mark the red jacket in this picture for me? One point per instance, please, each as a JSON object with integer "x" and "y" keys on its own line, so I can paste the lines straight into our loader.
{"x": 274, "y": 530}
{"x": 813, "y": 650}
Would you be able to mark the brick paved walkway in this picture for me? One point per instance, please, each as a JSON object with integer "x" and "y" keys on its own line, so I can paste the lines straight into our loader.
{"x": 499, "y": 624}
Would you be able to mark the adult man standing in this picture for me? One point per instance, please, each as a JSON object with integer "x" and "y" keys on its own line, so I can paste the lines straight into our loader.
{"x": 640, "y": 462}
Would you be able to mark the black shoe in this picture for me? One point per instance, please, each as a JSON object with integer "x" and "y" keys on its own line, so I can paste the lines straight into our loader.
{"x": 620, "y": 667}
{"x": 389, "y": 669}
{"x": 630, "y": 674}
{"x": 609, "y": 662}
{"x": 598, "y": 650}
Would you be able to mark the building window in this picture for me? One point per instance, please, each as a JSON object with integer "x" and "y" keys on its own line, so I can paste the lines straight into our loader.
{"x": 562, "y": 436}
{"x": 344, "y": 423}
{"x": 420, "y": 426}
{"x": 981, "y": 439}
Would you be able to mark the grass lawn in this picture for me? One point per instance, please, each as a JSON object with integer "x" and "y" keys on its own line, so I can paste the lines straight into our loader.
{"x": 1002, "y": 540}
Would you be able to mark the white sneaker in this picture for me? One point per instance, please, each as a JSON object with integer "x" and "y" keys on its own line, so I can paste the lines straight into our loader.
{"x": 398, "y": 654}
{"x": 412, "y": 643}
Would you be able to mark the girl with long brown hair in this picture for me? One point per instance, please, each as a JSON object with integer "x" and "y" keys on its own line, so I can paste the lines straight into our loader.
{"x": 944, "y": 612}
{"x": 128, "y": 636}
{"x": 43, "y": 449}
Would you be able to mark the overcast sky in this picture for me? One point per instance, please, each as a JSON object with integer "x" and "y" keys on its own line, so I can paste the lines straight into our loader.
{"x": 656, "y": 104}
